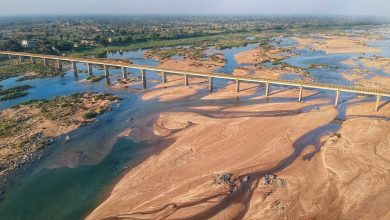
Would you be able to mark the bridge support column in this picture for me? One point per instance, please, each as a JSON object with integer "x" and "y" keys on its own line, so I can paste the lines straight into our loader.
{"x": 106, "y": 71}
{"x": 74, "y": 66}
{"x": 300, "y": 94}
{"x": 45, "y": 61}
{"x": 143, "y": 78}
{"x": 20, "y": 59}
{"x": 90, "y": 70}
{"x": 237, "y": 86}
{"x": 9, "y": 57}
{"x": 164, "y": 77}
{"x": 185, "y": 80}
{"x": 211, "y": 83}
{"x": 378, "y": 98}
{"x": 33, "y": 61}
{"x": 59, "y": 64}
{"x": 266, "y": 89}
{"x": 124, "y": 72}
{"x": 336, "y": 102}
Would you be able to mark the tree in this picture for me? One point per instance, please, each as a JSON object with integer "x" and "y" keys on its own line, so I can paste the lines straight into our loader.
{"x": 13, "y": 45}
{"x": 64, "y": 46}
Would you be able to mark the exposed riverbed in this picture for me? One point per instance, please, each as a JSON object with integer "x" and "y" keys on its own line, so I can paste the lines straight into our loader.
{"x": 74, "y": 177}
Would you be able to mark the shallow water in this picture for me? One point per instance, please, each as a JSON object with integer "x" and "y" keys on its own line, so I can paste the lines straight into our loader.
{"x": 66, "y": 193}
{"x": 229, "y": 54}
{"x": 137, "y": 57}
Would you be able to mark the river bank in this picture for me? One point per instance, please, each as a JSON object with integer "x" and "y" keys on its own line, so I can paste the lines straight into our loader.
{"x": 122, "y": 165}
{"x": 222, "y": 175}
{"x": 28, "y": 128}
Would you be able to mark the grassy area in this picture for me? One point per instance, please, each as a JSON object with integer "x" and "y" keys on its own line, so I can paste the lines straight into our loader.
{"x": 13, "y": 93}
{"x": 24, "y": 129}
{"x": 219, "y": 41}
{"x": 90, "y": 115}
{"x": 192, "y": 52}
{"x": 9, "y": 126}
{"x": 60, "y": 108}
{"x": 17, "y": 69}
{"x": 95, "y": 78}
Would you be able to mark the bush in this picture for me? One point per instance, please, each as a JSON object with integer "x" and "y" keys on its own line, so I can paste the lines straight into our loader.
{"x": 95, "y": 78}
{"x": 13, "y": 93}
{"x": 90, "y": 115}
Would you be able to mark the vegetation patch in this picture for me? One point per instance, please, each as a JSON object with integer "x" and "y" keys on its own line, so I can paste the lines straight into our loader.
{"x": 63, "y": 107}
{"x": 167, "y": 53}
{"x": 95, "y": 78}
{"x": 29, "y": 127}
{"x": 13, "y": 93}
{"x": 17, "y": 69}
{"x": 90, "y": 115}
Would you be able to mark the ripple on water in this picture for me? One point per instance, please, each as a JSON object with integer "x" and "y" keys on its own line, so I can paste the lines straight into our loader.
{"x": 67, "y": 193}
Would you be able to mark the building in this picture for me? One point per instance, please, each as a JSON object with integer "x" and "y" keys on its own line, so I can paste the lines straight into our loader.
{"x": 87, "y": 42}
{"x": 29, "y": 43}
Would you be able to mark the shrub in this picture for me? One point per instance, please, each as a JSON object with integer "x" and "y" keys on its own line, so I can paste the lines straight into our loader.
{"x": 89, "y": 115}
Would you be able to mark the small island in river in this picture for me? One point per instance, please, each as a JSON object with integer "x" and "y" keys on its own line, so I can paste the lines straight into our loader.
{"x": 29, "y": 127}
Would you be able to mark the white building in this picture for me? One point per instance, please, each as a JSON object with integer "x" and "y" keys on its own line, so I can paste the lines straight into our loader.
{"x": 29, "y": 43}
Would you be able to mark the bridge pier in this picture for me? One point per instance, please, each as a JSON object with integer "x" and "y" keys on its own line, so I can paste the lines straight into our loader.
{"x": 45, "y": 61}
{"x": 300, "y": 93}
{"x": 378, "y": 98}
{"x": 143, "y": 78}
{"x": 74, "y": 67}
{"x": 33, "y": 61}
{"x": 164, "y": 77}
{"x": 267, "y": 89}
{"x": 211, "y": 83}
{"x": 185, "y": 80}
{"x": 90, "y": 70}
{"x": 124, "y": 72}
{"x": 59, "y": 64}
{"x": 237, "y": 86}
{"x": 20, "y": 59}
{"x": 106, "y": 71}
{"x": 336, "y": 102}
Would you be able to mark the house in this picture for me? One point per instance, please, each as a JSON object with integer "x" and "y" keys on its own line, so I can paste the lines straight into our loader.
{"x": 29, "y": 43}
{"x": 87, "y": 42}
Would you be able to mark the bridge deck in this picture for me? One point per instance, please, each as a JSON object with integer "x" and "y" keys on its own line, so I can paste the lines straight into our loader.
{"x": 119, "y": 64}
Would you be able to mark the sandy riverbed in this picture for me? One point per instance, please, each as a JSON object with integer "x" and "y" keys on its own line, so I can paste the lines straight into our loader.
{"x": 323, "y": 165}
{"x": 259, "y": 55}
{"x": 377, "y": 63}
{"x": 257, "y": 137}
{"x": 27, "y": 128}
{"x": 227, "y": 144}
{"x": 336, "y": 44}
{"x": 183, "y": 181}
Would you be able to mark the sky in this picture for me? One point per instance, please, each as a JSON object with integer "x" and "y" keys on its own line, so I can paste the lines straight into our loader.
{"x": 377, "y": 8}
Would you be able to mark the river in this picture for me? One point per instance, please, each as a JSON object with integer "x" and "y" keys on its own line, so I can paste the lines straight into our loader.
{"x": 73, "y": 177}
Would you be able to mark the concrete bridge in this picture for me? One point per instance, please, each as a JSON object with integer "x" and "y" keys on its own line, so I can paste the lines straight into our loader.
{"x": 379, "y": 93}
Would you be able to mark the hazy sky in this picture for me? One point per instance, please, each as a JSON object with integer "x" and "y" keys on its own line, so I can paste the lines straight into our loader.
{"x": 260, "y": 7}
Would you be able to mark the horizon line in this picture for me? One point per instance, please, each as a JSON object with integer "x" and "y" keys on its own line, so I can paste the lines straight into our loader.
{"x": 195, "y": 14}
